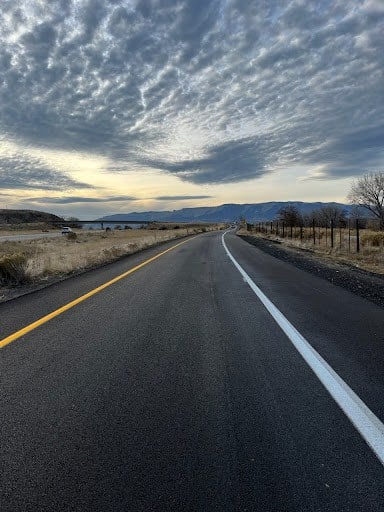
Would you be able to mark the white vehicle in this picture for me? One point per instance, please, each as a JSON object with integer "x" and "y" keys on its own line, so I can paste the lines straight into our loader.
{"x": 65, "y": 230}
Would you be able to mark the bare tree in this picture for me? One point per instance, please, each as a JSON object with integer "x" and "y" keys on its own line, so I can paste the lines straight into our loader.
{"x": 73, "y": 222}
{"x": 324, "y": 215}
{"x": 368, "y": 192}
{"x": 290, "y": 215}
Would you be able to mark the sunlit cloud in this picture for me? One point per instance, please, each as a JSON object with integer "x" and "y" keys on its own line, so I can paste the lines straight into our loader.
{"x": 106, "y": 199}
{"x": 30, "y": 174}
{"x": 76, "y": 199}
{"x": 179, "y": 198}
{"x": 213, "y": 92}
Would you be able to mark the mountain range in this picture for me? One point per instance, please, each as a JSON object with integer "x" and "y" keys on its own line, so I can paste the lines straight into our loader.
{"x": 225, "y": 213}
{"x": 10, "y": 217}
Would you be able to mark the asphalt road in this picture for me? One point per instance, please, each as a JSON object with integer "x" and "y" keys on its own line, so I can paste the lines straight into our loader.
{"x": 19, "y": 238}
{"x": 174, "y": 389}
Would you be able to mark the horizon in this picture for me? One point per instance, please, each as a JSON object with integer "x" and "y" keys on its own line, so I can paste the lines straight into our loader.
{"x": 66, "y": 217}
{"x": 156, "y": 106}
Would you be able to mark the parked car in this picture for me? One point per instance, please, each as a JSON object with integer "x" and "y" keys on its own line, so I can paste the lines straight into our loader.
{"x": 66, "y": 230}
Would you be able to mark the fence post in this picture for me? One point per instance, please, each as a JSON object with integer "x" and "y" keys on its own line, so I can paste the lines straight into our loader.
{"x": 313, "y": 231}
{"x": 283, "y": 229}
{"x": 301, "y": 234}
{"x": 332, "y": 233}
{"x": 357, "y": 236}
{"x": 277, "y": 228}
{"x": 349, "y": 235}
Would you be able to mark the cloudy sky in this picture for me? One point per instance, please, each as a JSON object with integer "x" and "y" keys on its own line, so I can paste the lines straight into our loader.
{"x": 111, "y": 106}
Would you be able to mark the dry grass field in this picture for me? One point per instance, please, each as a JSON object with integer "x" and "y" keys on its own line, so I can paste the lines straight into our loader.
{"x": 43, "y": 258}
{"x": 370, "y": 257}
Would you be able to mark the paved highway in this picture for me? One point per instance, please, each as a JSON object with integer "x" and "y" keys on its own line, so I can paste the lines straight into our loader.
{"x": 19, "y": 238}
{"x": 174, "y": 388}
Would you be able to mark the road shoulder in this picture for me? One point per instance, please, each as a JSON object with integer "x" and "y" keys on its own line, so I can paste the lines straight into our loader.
{"x": 365, "y": 284}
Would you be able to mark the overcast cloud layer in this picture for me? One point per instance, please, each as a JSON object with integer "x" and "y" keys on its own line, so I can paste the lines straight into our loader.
{"x": 213, "y": 91}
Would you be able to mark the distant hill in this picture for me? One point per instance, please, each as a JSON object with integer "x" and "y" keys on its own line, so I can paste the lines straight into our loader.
{"x": 224, "y": 213}
{"x": 26, "y": 217}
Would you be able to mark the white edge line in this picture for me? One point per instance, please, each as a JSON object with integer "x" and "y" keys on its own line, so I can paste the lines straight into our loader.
{"x": 368, "y": 425}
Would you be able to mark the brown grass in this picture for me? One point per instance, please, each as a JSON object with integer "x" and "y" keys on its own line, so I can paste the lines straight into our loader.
{"x": 47, "y": 257}
{"x": 370, "y": 257}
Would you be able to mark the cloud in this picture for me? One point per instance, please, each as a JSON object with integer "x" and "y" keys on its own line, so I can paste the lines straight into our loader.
{"x": 209, "y": 91}
{"x": 77, "y": 199}
{"x": 350, "y": 154}
{"x": 17, "y": 172}
{"x": 107, "y": 199}
{"x": 224, "y": 163}
{"x": 179, "y": 198}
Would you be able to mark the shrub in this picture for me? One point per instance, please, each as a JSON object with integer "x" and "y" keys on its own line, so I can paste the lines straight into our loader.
{"x": 112, "y": 252}
{"x": 13, "y": 269}
{"x": 373, "y": 239}
{"x": 71, "y": 236}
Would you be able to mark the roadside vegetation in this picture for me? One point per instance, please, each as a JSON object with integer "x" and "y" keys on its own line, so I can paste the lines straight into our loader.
{"x": 318, "y": 241}
{"x": 357, "y": 240}
{"x": 38, "y": 260}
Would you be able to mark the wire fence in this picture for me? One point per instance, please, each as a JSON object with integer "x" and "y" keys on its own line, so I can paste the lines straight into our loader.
{"x": 347, "y": 237}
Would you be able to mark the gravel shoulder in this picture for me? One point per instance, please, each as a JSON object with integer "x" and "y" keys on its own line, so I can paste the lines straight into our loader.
{"x": 368, "y": 285}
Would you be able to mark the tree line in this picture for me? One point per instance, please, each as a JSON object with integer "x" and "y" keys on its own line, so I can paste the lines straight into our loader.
{"x": 366, "y": 194}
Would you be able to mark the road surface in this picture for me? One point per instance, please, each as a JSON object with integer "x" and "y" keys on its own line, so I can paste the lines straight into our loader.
{"x": 33, "y": 236}
{"x": 175, "y": 389}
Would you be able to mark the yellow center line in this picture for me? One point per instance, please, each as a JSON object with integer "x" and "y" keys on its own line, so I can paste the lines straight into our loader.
{"x": 84, "y": 297}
